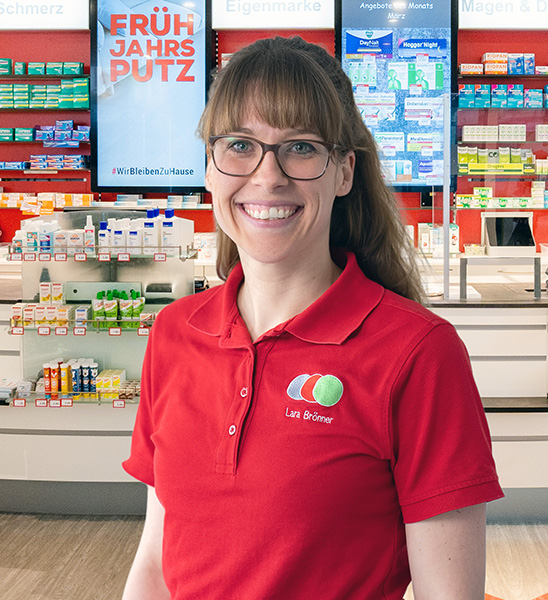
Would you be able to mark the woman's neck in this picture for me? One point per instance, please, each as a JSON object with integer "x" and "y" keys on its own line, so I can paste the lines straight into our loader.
{"x": 274, "y": 293}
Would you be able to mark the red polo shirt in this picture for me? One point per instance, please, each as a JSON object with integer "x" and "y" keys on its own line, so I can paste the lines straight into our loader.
{"x": 288, "y": 466}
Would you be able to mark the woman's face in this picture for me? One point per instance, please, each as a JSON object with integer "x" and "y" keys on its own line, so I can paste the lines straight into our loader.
{"x": 270, "y": 217}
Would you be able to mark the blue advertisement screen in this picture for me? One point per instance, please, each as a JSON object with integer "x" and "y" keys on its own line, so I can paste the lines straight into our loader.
{"x": 398, "y": 58}
{"x": 148, "y": 93}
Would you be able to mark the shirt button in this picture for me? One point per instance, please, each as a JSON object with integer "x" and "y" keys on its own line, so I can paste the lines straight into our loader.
{"x": 232, "y": 430}
{"x": 243, "y": 392}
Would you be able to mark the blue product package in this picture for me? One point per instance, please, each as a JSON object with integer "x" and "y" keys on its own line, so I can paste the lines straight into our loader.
{"x": 546, "y": 96}
{"x": 515, "y": 64}
{"x": 499, "y": 95}
{"x": 529, "y": 64}
{"x": 482, "y": 95}
{"x": 467, "y": 96}
{"x": 515, "y": 95}
{"x": 533, "y": 98}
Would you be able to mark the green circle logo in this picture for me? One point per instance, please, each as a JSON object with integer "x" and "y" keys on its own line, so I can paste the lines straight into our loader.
{"x": 328, "y": 390}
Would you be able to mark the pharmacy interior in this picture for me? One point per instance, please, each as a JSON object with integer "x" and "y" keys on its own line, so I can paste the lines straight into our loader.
{"x": 104, "y": 218}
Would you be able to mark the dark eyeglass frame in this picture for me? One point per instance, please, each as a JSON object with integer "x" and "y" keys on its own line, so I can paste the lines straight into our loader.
{"x": 273, "y": 148}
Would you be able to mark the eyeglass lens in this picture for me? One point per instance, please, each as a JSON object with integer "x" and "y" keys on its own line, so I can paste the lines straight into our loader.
{"x": 299, "y": 159}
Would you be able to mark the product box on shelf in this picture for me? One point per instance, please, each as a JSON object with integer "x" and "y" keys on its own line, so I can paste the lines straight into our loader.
{"x": 499, "y": 95}
{"x": 23, "y": 134}
{"x": 6, "y": 134}
{"x": 54, "y": 68}
{"x": 36, "y": 68}
{"x": 6, "y": 66}
{"x": 541, "y": 132}
{"x": 20, "y": 68}
{"x": 467, "y": 94}
{"x": 529, "y": 64}
{"x": 515, "y": 63}
{"x": 471, "y": 69}
{"x": 515, "y": 95}
{"x": 482, "y": 96}
{"x": 546, "y": 96}
{"x": 495, "y": 68}
{"x": 533, "y": 98}
{"x": 495, "y": 57}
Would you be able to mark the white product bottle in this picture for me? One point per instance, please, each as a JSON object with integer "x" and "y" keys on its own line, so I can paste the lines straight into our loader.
{"x": 89, "y": 236}
{"x": 119, "y": 238}
{"x": 18, "y": 242}
{"x": 151, "y": 235}
{"x": 46, "y": 233}
{"x": 169, "y": 233}
{"x": 31, "y": 235}
{"x": 135, "y": 237}
{"x": 103, "y": 237}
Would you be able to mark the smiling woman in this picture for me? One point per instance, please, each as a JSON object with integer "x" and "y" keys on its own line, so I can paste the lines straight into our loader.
{"x": 309, "y": 397}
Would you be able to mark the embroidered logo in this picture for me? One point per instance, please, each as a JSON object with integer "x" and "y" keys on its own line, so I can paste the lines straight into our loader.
{"x": 325, "y": 390}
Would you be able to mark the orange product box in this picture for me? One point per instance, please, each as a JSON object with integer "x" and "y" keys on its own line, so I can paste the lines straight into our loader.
{"x": 495, "y": 69}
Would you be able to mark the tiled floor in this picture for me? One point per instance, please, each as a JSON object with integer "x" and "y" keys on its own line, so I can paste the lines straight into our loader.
{"x": 87, "y": 558}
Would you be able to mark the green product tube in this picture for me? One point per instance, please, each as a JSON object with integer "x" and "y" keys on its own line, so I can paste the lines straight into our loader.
{"x": 126, "y": 311}
{"x": 111, "y": 310}
{"x": 138, "y": 307}
{"x": 98, "y": 310}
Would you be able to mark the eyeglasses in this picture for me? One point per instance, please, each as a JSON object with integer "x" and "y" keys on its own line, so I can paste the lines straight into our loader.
{"x": 240, "y": 156}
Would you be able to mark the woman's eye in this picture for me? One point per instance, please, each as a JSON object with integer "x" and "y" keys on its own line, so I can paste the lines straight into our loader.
{"x": 239, "y": 146}
{"x": 301, "y": 147}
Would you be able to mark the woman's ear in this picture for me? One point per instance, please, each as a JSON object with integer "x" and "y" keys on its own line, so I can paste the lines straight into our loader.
{"x": 347, "y": 174}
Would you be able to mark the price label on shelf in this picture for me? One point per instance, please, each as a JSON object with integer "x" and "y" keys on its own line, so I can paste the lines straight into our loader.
{"x": 19, "y": 402}
{"x": 41, "y": 403}
{"x": 118, "y": 403}
{"x": 55, "y": 403}
{"x": 79, "y": 331}
{"x": 115, "y": 331}
{"x": 103, "y": 257}
{"x": 80, "y": 257}
{"x": 123, "y": 257}
{"x": 62, "y": 330}
{"x": 143, "y": 331}
{"x": 29, "y": 257}
{"x": 17, "y": 330}
{"x": 16, "y": 257}
{"x": 44, "y": 257}
{"x": 160, "y": 257}
{"x": 60, "y": 257}
{"x": 44, "y": 330}
{"x": 67, "y": 402}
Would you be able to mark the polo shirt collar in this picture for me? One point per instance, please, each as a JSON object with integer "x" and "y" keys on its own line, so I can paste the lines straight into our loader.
{"x": 331, "y": 319}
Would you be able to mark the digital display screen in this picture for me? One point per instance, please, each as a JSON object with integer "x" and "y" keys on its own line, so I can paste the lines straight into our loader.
{"x": 400, "y": 59}
{"x": 509, "y": 231}
{"x": 150, "y": 62}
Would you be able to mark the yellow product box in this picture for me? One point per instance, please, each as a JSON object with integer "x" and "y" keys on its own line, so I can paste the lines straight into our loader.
{"x": 45, "y": 292}
{"x": 29, "y": 314}
{"x": 495, "y": 57}
{"x": 65, "y": 314}
{"x": 495, "y": 69}
{"x": 51, "y": 314}
{"x": 17, "y": 313}
{"x": 118, "y": 377}
{"x": 57, "y": 293}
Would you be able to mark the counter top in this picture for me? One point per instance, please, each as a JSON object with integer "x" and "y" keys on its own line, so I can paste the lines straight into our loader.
{"x": 10, "y": 290}
{"x": 497, "y": 295}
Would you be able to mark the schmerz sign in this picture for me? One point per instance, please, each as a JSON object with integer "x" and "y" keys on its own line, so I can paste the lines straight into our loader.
{"x": 44, "y": 14}
{"x": 505, "y": 14}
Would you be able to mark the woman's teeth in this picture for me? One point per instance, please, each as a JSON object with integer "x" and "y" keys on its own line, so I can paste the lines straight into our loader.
{"x": 270, "y": 213}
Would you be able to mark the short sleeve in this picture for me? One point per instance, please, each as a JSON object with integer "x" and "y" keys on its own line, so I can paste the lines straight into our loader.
{"x": 140, "y": 463}
{"x": 441, "y": 446}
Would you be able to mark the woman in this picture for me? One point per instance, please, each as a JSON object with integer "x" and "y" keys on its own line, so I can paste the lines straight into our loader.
{"x": 307, "y": 430}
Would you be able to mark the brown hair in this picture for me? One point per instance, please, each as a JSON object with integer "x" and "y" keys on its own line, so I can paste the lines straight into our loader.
{"x": 289, "y": 83}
